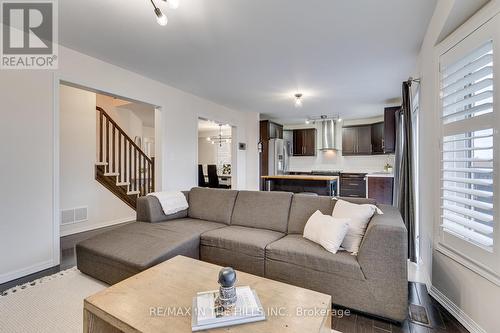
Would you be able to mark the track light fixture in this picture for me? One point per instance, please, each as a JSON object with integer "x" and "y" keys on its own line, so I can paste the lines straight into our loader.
{"x": 161, "y": 18}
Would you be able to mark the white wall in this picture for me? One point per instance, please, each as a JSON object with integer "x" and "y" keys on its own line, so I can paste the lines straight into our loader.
{"x": 472, "y": 298}
{"x": 331, "y": 160}
{"x": 78, "y": 187}
{"x": 29, "y": 208}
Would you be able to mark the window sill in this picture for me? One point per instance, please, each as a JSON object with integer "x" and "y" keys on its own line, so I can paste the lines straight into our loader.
{"x": 469, "y": 263}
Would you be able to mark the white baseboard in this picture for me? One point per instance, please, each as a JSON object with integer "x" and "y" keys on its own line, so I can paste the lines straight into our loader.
{"x": 70, "y": 229}
{"x": 9, "y": 276}
{"x": 455, "y": 311}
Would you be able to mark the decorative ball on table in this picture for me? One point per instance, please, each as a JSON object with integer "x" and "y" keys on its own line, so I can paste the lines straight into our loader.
{"x": 227, "y": 289}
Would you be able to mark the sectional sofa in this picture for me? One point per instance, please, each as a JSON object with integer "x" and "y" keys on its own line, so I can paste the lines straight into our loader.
{"x": 261, "y": 233}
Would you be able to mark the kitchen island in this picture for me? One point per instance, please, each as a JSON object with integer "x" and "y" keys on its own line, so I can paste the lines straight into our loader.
{"x": 321, "y": 185}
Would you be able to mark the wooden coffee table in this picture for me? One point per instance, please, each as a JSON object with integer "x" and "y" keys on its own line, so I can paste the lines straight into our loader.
{"x": 160, "y": 298}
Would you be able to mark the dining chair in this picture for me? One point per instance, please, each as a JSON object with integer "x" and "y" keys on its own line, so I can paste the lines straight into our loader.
{"x": 201, "y": 177}
{"x": 213, "y": 178}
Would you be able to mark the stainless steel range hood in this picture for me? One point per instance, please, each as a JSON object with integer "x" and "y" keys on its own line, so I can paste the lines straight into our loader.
{"x": 328, "y": 135}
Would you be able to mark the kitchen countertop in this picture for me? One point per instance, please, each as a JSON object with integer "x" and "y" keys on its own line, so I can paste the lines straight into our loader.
{"x": 380, "y": 174}
{"x": 302, "y": 177}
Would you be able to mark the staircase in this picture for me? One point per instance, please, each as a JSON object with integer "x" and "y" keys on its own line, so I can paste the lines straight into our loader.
{"x": 122, "y": 167}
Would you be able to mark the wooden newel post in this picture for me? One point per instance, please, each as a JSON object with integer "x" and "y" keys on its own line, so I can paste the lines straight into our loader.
{"x": 152, "y": 174}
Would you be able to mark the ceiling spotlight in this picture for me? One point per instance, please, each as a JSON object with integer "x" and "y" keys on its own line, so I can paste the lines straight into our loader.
{"x": 298, "y": 100}
{"x": 340, "y": 119}
{"x": 307, "y": 121}
{"x": 160, "y": 17}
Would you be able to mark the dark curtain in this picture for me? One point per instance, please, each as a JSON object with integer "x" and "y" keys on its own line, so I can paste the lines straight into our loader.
{"x": 404, "y": 191}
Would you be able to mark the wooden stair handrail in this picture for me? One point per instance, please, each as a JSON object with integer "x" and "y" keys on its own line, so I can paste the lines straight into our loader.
{"x": 130, "y": 179}
{"x": 123, "y": 133}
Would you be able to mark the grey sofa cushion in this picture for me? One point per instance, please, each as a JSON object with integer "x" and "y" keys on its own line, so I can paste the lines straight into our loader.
{"x": 266, "y": 210}
{"x": 211, "y": 204}
{"x": 250, "y": 241}
{"x": 125, "y": 251}
{"x": 303, "y": 206}
{"x": 299, "y": 251}
{"x": 239, "y": 247}
{"x": 149, "y": 210}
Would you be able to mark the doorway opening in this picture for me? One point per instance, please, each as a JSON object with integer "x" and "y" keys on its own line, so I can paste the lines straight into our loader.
{"x": 106, "y": 160}
{"x": 215, "y": 142}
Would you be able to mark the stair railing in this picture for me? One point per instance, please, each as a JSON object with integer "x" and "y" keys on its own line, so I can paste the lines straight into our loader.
{"x": 123, "y": 157}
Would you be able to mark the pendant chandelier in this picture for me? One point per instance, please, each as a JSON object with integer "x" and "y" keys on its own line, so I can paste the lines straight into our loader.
{"x": 219, "y": 139}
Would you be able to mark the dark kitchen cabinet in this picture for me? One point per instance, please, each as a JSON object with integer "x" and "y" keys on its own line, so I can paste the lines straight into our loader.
{"x": 390, "y": 129}
{"x": 349, "y": 140}
{"x": 270, "y": 130}
{"x": 378, "y": 138}
{"x": 353, "y": 185}
{"x": 381, "y": 189}
{"x": 356, "y": 140}
{"x": 304, "y": 142}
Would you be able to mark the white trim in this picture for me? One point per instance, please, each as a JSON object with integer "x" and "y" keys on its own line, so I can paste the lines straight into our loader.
{"x": 75, "y": 229}
{"x": 455, "y": 311}
{"x": 27, "y": 271}
{"x": 56, "y": 215}
{"x": 469, "y": 263}
{"x": 485, "y": 14}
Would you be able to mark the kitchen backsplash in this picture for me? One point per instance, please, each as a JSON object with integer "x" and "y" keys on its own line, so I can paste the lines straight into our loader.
{"x": 335, "y": 161}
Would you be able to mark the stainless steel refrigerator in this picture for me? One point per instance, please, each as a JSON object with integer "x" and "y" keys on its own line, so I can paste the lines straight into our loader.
{"x": 278, "y": 157}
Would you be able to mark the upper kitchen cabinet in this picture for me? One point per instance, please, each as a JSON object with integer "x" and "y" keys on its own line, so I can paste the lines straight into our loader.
{"x": 270, "y": 130}
{"x": 390, "y": 129}
{"x": 371, "y": 139}
{"x": 356, "y": 140}
{"x": 378, "y": 138}
{"x": 304, "y": 142}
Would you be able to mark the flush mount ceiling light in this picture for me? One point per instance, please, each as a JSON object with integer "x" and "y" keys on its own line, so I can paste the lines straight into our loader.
{"x": 298, "y": 100}
{"x": 160, "y": 17}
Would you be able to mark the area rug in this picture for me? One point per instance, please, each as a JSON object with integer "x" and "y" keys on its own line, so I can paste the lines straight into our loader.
{"x": 51, "y": 304}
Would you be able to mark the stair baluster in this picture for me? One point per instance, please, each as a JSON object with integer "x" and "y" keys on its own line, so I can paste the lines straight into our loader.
{"x": 122, "y": 173}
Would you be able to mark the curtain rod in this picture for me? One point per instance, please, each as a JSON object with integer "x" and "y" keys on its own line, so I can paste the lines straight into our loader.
{"x": 411, "y": 80}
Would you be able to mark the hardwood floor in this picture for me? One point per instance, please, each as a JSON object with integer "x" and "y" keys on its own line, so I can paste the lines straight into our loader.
{"x": 440, "y": 321}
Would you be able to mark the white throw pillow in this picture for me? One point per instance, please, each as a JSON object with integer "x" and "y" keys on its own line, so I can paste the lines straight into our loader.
{"x": 326, "y": 231}
{"x": 358, "y": 216}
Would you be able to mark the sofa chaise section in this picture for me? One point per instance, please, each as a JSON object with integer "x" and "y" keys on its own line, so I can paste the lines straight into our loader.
{"x": 125, "y": 251}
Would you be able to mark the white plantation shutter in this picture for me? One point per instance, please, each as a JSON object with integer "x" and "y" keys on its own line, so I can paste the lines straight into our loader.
{"x": 468, "y": 145}
{"x": 467, "y": 85}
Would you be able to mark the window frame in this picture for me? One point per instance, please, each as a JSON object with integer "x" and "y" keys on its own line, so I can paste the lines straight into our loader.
{"x": 468, "y": 254}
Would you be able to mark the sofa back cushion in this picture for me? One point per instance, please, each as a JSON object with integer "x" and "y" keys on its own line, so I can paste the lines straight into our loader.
{"x": 303, "y": 206}
{"x": 210, "y": 204}
{"x": 358, "y": 201}
{"x": 265, "y": 210}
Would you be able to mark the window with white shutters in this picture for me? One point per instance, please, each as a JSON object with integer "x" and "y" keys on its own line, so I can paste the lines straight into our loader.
{"x": 468, "y": 147}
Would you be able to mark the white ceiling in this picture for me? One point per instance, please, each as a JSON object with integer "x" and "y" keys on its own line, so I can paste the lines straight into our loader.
{"x": 211, "y": 126}
{"x": 347, "y": 57}
{"x": 145, "y": 112}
